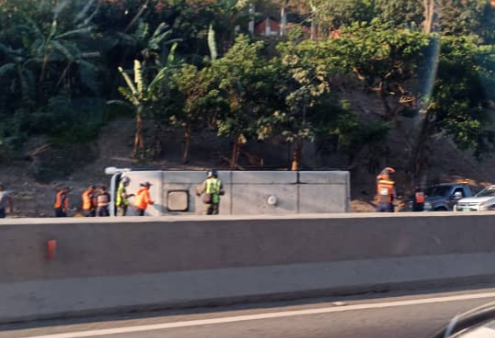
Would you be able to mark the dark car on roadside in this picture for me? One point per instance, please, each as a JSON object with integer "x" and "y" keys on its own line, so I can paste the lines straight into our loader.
{"x": 441, "y": 197}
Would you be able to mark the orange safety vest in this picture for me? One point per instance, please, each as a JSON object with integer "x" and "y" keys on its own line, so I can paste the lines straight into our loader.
{"x": 420, "y": 197}
{"x": 385, "y": 191}
{"x": 87, "y": 198}
{"x": 143, "y": 199}
{"x": 61, "y": 200}
{"x": 103, "y": 199}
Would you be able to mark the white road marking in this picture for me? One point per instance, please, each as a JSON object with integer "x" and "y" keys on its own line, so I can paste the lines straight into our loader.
{"x": 275, "y": 315}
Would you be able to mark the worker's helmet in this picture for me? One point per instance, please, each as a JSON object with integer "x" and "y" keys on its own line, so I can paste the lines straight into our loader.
{"x": 385, "y": 174}
{"x": 212, "y": 173}
{"x": 125, "y": 180}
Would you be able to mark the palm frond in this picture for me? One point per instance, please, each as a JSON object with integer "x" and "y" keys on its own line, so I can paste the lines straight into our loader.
{"x": 127, "y": 40}
{"x": 212, "y": 44}
{"x": 81, "y": 32}
{"x": 128, "y": 80}
{"x": 88, "y": 74}
{"x": 171, "y": 54}
{"x": 61, "y": 6}
{"x": 163, "y": 27}
{"x": 171, "y": 41}
{"x": 59, "y": 47}
{"x": 120, "y": 103}
{"x": 155, "y": 42}
{"x": 85, "y": 10}
{"x": 157, "y": 81}
{"x": 8, "y": 51}
{"x": 5, "y": 69}
{"x": 31, "y": 25}
{"x": 53, "y": 30}
{"x": 138, "y": 77}
{"x": 91, "y": 16}
{"x": 142, "y": 31}
{"x": 128, "y": 95}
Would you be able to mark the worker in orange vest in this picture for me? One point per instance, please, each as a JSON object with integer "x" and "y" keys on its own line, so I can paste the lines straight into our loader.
{"x": 88, "y": 199}
{"x": 61, "y": 204}
{"x": 102, "y": 202}
{"x": 143, "y": 199}
{"x": 385, "y": 191}
{"x": 419, "y": 200}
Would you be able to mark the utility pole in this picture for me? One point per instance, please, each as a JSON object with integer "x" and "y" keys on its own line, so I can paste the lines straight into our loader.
{"x": 251, "y": 18}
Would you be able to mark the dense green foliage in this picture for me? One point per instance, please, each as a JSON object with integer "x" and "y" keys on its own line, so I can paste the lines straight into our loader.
{"x": 193, "y": 64}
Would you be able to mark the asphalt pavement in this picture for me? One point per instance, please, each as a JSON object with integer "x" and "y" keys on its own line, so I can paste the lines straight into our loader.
{"x": 371, "y": 316}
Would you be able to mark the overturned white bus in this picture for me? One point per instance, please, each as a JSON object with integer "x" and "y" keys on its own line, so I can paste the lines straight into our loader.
{"x": 246, "y": 192}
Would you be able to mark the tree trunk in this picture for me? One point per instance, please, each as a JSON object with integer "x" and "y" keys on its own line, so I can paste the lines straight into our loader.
{"x": 138, "y": 138}
{"x": 252, "y": 12}
{"x": 313, "y": 29}
{"x": 235, "y": 153}
{"x": 187, "y": 142}
{"x": 430, "y": 24}
{"x": 283, "y": 24}
{"x": 297, "y": 155}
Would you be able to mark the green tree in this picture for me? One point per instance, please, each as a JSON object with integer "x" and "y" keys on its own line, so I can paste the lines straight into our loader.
{"x": 459, "y": 106}
{"x": 191, "y": 100}
{"x": 142, "y": 95}
{"x": 303, "y": 82}
{"x": 51, "y": 49}
{"x": 240, "y": 76}
{"x": 151, "y": 45}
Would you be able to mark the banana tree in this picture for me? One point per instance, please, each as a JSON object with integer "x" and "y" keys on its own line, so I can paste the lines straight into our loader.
{"x": 152, "y": 45}
{"x": 19, "y": 73}
{"x": 141, "y": 95}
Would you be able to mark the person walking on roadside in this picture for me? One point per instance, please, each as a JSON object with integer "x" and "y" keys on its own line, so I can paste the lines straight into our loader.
{"x": 211, "y": 189}
{"x": 5, "y": 201}
{"x": 88, "y": 199}
{"x": 385, "y": 191}
{"x": 102, "y": 202}
{"x": 143, "y": 199}
{"x": 419, "y": 200}
{"x": 61, "y": 205}
{"x": 122, "y": 201}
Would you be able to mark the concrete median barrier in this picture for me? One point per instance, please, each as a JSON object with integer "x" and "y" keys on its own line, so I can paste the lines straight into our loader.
{"x": 110, "y": 265}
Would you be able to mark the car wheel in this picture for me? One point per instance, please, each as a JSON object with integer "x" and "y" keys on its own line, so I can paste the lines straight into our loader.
{"x": 441, "y": 209}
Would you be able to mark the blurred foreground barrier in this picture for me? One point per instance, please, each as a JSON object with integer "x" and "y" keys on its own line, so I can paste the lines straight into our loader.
{"x": 117, "y": 265}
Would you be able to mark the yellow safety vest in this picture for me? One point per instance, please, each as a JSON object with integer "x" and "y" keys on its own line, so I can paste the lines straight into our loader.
{"x": 213, "y": 188}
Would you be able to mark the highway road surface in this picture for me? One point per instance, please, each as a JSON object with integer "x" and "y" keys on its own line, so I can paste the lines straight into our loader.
{"x": 382, "y": 316}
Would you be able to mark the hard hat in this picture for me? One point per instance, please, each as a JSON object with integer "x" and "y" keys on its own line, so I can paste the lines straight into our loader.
{"x": 212, "y": 173}
{"x": 390, "y": 170}
{"x": 146, "y": 184}
{"x": 125, "y": 180}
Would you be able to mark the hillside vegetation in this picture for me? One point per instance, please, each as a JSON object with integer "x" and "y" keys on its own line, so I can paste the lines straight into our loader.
{"x": 354, "y": 85}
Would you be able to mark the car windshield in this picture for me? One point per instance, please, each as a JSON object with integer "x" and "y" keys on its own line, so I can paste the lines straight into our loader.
{"x": 438, "y": 191}
{"x": 487, "y": 192}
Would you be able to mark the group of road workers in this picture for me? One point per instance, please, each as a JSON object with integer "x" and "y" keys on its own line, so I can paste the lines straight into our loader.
{"x": 96, "y": 202}
{"x": 386, "y": 193}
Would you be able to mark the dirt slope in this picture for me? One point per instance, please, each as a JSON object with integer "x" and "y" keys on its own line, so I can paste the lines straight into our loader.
{"x": 114, "y": 147}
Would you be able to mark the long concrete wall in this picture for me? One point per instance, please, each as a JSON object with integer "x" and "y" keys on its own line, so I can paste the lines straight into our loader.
{"x": 129, "y": 264}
